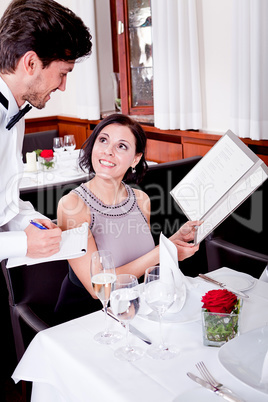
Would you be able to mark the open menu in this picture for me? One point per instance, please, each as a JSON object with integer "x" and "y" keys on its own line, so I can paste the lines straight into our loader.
{"x": 73, "y": 245}
{"x": 221, "y": 181}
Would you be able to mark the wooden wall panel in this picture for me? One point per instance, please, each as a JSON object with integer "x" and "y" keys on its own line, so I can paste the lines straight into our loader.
{"x": 195, "y": 150}
{"x": 195, "y": 146}
{"x": 41, "y": 124}
{"x": 158, "y": 151}
{"x": 80, "y": 132}
{"x": 163, "y": 145}
{"x": 264, "y": 158}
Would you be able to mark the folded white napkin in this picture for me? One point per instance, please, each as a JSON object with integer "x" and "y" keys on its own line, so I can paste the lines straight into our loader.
{"x": 169, "y": 259}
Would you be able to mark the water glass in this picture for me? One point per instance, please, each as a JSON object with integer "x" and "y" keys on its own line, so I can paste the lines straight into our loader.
{"x": 58, "y": 145}
{"x": 125, "y": 302}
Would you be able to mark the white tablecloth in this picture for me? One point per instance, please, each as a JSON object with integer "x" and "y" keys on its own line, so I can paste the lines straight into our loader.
{"x": 66, "y": 364}
{"x": 66, "y": 170}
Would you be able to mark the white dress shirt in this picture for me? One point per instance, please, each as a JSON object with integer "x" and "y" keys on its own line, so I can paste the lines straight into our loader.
{"x": 15, "y": 214}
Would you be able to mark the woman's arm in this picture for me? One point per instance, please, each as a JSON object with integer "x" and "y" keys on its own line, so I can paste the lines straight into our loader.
{"x": 72, "y": 212}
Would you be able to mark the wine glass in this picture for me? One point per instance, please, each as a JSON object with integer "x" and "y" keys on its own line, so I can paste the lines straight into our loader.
{"x": 125, "y": 304}
{"x": 69, "y": 142}
{"x": 58, "y": 145}
{"x": 103, "y": 274}
{"x": 160, "y": 294}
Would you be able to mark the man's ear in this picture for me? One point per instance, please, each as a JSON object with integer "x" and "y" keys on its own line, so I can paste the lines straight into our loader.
{"x": 30, "y": 62}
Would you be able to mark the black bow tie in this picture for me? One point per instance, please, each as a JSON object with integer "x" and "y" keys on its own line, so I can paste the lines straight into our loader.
{"x": 18, "y": 116}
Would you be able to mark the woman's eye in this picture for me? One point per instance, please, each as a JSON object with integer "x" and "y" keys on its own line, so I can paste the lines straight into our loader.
{"x": 122, "y": 146}
{"x": 102, "y": 139}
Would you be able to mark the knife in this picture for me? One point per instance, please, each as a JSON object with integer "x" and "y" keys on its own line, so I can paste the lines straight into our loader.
{"x": 132, "y": 329}
{"x": 222, "y": 285}
{"x": 227, "y": 397}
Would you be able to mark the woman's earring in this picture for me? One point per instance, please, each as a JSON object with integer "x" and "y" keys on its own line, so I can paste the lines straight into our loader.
{"x": 133, "y": 170}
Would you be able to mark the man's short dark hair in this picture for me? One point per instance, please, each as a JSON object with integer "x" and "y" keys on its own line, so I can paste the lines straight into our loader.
{"x": 49, "y": 29}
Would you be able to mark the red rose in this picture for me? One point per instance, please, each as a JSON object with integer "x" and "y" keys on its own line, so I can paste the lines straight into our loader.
{"x": 219, "y": 301}
{"x": 47, "y": 154}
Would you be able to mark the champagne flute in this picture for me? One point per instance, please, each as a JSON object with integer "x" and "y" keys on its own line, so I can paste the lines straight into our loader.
{"x": 69, "y": 142}
{"x": 58, "y": 145}
{"x": 160, "y": 294}
{"x": 125, "y": 304}
{"x": 103, "y": 274}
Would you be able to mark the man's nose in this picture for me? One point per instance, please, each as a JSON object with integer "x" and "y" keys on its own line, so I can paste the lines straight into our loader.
{"x": 62, "y": 85}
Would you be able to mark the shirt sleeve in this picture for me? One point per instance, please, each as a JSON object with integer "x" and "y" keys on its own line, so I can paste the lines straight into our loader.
{"x": 13, "y": 244}
{"x": 22, "y": 219}
{"x": 13, "y": 239}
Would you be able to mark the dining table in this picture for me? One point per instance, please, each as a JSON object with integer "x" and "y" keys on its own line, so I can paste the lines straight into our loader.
{"x": 66, "y": 170}
{"x": 65, "y": 363}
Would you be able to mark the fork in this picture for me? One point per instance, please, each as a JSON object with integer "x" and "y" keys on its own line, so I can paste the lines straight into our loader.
{"x": 208, "y": 376}
{"x": 212, "y": 381}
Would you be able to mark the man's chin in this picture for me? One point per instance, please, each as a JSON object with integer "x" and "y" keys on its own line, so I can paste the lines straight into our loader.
{"x": 40, "y": 106}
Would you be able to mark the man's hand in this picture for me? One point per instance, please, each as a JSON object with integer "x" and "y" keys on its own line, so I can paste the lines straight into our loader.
{"x": 43, "y": 243}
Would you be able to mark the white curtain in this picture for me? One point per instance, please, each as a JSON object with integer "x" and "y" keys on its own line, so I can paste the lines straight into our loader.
{"x": 249, "y": 99}
{"x": 86, "y": 72}
{"x": 177, "y": 93}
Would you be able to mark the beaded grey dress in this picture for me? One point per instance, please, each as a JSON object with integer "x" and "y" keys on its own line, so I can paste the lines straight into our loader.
{"x": 120, "y": 228}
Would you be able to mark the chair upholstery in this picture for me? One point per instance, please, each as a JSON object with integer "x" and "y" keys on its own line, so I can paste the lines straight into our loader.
{"x": 241, "y": 241}
{"x": 45, "y": 200}
{"x": 32, "y": 292}
{"x": 166, "y": 216}
{"x": 38, "y": 140}
{"x": 221, "y": 253}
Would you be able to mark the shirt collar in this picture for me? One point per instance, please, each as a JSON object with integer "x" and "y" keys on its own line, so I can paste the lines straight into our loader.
{"x": 12, "y": 104}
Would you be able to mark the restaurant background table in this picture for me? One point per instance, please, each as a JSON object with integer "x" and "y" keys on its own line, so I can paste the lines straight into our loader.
{"x": 66, "y": 364}
{"x": 66, "y": 171}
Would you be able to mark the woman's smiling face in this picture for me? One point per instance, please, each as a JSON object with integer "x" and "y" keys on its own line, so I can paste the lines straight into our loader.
{"x": 114, "y": 151}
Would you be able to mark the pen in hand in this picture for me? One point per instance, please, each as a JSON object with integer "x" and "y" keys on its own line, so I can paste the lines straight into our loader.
{"x": 38, "y": 225}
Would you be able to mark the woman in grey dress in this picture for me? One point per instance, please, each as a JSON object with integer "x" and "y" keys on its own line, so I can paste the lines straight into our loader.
{"x": 118, "y": 215}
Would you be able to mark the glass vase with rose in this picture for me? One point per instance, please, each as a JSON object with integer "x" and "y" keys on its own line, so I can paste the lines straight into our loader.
{"x": 46, "y": 158}
{"x": 220, "y": 316}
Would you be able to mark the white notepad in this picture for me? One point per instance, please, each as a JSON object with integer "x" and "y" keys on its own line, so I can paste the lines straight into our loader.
{"x": 73, "y": 245}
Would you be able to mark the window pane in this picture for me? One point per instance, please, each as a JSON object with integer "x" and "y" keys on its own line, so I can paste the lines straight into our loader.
{"x": 138, "y": 12}
{"x": 140, "y": 44}
{"x": 142, "y": 86}
{"x": 140, "y": 47}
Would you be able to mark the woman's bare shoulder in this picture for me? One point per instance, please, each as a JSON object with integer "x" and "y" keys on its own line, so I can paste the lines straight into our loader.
{"x": 141, "y": 195}
{"x": 72, "y": 211}
{"x": 144, "y": 202}
{"x": 70, "y": 200}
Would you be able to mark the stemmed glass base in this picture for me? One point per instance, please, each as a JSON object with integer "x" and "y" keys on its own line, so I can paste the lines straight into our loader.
{"x": 129, "y": 353}
{"x": 162, "y": 352}
{"x": 108, "y": 337}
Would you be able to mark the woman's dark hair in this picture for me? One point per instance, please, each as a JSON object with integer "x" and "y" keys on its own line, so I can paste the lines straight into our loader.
{"x": 85, "y": 161}
{"x": 49, "y": 29}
